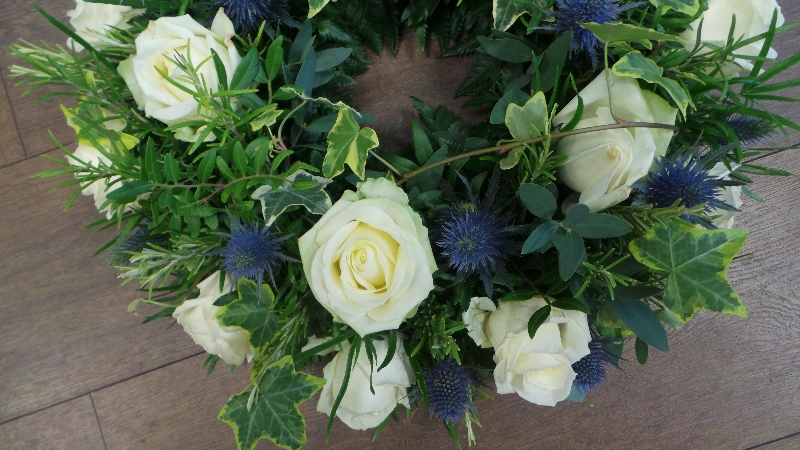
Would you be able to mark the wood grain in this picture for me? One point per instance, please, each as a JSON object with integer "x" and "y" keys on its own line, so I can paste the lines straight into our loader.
{"x": 789, "y": 443}
{"x": 65, "y": 330}
{"x": 18, "y": 20}
{"x": 68, "y": 426}
{"x": 10, "y": 144}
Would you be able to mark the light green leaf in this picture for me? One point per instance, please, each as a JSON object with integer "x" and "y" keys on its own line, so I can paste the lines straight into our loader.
{"x": 688, "y": 7}
{"x": 315, "y": 6}
{"x": 511, "y": 161}
{"x": 696, "y": 261}
{"x": 529, "y": 121}
{"x": 251, "y": 313}
{"x": 267, "y": 118}
{"x": 293, "y": 193}
{"x": 348, "y": 144}
{"x": 614, "y": 32}
{"x": 274, "y": 414}
{"x": 506, "y": 12}
{"x": 635, "y": 65}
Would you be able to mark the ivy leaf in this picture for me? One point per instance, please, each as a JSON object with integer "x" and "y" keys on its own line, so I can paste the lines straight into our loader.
{"x": 266, "y": 118}
{"x": 506, "y": 12}
{"x": 251, "y": 313}
{"x": 313, "y": 197}
{"x": 274, "y": 413}
{"x": 348, "y": 144}
{"x": 635, "y": 65}
{"x": 696, "y": 261}
{"x": 688, "y": 7}
{"x": 529, "y": 121}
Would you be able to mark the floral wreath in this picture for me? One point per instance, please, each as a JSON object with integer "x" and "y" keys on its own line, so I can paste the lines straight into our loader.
{"x": 594, "y": 204}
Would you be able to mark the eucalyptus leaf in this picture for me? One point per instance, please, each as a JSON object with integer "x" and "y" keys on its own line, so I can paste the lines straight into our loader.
{"x": 571, "y": 252}
{"x": 610, "y": 32}
{"x": 638, "y": 316}
{"x": 514, "y": 96}
{"x": 539, "y": 201}
{"x": 332, "y": 57}
{"x": 599, "y": 226}
{"x": 540, "y": 237}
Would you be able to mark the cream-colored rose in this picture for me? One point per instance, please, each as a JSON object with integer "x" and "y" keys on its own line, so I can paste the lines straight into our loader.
{"x": 199, "y": 318}
{"x": 91, "y": 20}
{"x": 157, "y": 47}
{"x": 753, "y": 17}
{"x": 87, "y": 156}
{"x": 538, "y": 369}
{"x": 603, "y": 165}
{"x": 475, "y": 318}
{"x": 732, "y": 195}
{"x": 368, "y": 260}
{"x": 360, "y": 408}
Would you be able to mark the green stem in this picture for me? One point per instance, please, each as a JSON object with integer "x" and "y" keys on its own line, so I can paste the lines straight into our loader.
{"x": 283, "y": 122}
{"x": 506, "y": 147}
{"x": 385, "y": 163}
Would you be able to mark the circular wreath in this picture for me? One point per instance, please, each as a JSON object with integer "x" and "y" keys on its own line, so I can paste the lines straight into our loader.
{"x": 592, "y": 203}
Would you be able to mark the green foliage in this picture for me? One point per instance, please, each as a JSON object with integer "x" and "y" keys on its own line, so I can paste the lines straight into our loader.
{"x": 688, "y": 7}
{"x": 251, "y": 312}
{"x": 302, "y": 190}
{"x": 271, "y": 411}
{"x": 348, "y": 144}
{"x": 635, "y": 65}
{"x": 695, "y": 261}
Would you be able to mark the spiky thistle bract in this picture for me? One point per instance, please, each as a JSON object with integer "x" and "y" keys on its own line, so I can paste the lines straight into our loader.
{"x": 448, "y": 387}
{"x": 590, "y": 371}
{"x": 248, "y": 15}
{"x": 251, "y": 251}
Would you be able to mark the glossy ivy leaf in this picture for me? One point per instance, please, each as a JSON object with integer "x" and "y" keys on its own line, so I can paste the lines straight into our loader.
{"x": 348, "y": 144}
{"x": 274, "y": 412}
{"x": 539, "y": 201}
{"x": 688, "y": 7}
{"x": 635, "y": 65}
{"x": 508, "y": 50}
{"x": 540, "y": 237}
{"x": 251, "y": 313}
{"x": 599, "y": 226}
{"x": 696, "y": 261}
{"x": 610, "y": 32}
{"x": 638, "y": 316}
{"x": 506, "y": 12}
{"x": 275, "y": 202}
{"x": 529, "y": 121}
{"x": 537, "y": 319}
{"x": 571, "y": 252}
{"x": 266, "y": 118}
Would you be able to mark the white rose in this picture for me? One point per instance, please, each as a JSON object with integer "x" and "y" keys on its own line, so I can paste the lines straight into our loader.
{"x": 753, "y": 17}
{"x": 732, "y": 195}
{"x": 368, "y": 260}
{"x": 475, "y": 318}
{"x": 87, "y": 156}
{"x": 603, "y": 165}
{"x": 538, "y": 369}
{"x": 157, "y": 47}
{"x": 199, "y": 318}
{"x": 91, "y": 20}
{"x": 360, "y": 408}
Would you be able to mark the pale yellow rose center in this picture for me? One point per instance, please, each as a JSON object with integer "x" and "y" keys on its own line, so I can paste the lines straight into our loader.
{"x": 368, "y": 259}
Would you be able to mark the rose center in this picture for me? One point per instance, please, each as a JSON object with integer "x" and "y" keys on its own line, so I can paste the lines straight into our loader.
{"x": 364, "y": 264}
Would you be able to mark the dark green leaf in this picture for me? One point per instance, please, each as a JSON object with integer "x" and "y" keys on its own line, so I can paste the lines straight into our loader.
{"x": 422, "y": 145}
{"x": 571, "y": 252}
{"x": 642, "y": 351}
{"x": 306, "y": 75}
{"x": 332, "y": 57}
{"x": 576, "y": 215}
{"x": 599, "y": 225}
{"x": 540, "y": 237}
{"x": 572, "y": 304}
{"x": 224, "y": 169}
{"x": 638, "y": 316}
{"x": 520, "y": 295}
{"x": 274, "y": 60}
{"x": 251, "y": 313}
{"x": 552, "y": 61}
{"x": 514, "y": 96}
{"x": 172, "y": 169}
{"x": 274, "y": 202}
{"x": 636, "y": 292}
{"x": 246, "y": 71}
{"x": 614, "y": 32}
{"x": 509, "y": 50}
{"x": 537, "y": 319}
{"x": 129, "y": 190}
{"x": 538, "y": 200}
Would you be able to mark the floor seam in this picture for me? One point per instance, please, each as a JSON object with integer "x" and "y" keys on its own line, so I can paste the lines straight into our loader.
{"x": 27, "y": 158}
{"x": 13, "y": 115}
{"x": 97, "y": 417}
{"x": 101, "y": 388}
{"x": 773, "y": 441}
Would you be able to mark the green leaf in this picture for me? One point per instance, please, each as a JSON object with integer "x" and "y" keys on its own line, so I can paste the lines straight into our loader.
{"x": 274, "y": 60}
{"x": 537, "y": 199}
{"x": 171, "y": 168}
{"x": 506, "y": 12}
{"x": 576, "y": 215}
{"x": 246, "y": 71}
{"x": 528, "y": 121}
{"x": 540, "y": 237}
{"x": 315, "y": 6}
{"x": 688, "y": 7}
{"x": 571, "y": 252}
{"x": 274, "y": 202}
{"x": 422, "y": 145}
{"x": 251, "y": 313}
{"x": 635, "y": 65}
{"x": 129, "y": 190}
{"x": 537, "y": 319}
{"x": 572, "y": 304}
{"x": 332, "y": 57}
{"x": 642, "y": 351}
{"x": 151, "y": 162}
{"x": 614, "y": 32}
{"x": 552, "y": 61}
{"x": 429, "y": 180}
{"x": 206, "y": 167}
{"x": 224, "y": 168}
{"x": 599, "y": 225}
{"x": 638, "y": 316}
{"x": 696, "y": 261}
{"x": 520, "y": 295}
{"x": 266, "y": 118}
{"x": 509, "y": 50}
{"x": 274, "y": 414}
{"x": 348, "y": 144}
{"x": 514, "y": 96}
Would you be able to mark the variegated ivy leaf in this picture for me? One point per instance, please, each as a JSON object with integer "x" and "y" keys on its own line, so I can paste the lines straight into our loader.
{"x": 315, "y": 6}
{"x": 688, "y": 7}
{"x": 529, "y": 121}
{"x": 300, "y": 189}
{"x": 266, "y": 118}
{"x": 636, "y": 65}
{"x": 506, "y": 12}
{"x": 107, "y": 134}
{"x": 252, "y": 313}
{"x": 348, "y": 144}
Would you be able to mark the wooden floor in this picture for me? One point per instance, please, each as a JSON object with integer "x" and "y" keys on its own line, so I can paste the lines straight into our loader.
{"x": 79, "y": 372}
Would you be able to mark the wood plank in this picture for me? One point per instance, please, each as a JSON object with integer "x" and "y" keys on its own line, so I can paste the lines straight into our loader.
{"x": 69, "y": 426}
{"x": 65, "y": 330}
{"x": 788, "y": 443}
{"x": 11, "y": 146}
{"x": 18, "y": 20}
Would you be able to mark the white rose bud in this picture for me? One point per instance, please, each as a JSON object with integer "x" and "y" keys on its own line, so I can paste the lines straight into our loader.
{"x": 157, "y": 47}
{"x": 538, "y": 369}
{"x": 199, "y": 318}
{"x": 753, "y": 17}
{"x": 475, "y": 318}
{"x": 91, "y": 20}
{"x": 88, "y": 156}
{"x": 360, "y": 408}
{"x": 603, "y": 165}
{"x": 368, "y": 260}
{"x": 732, "y": 195}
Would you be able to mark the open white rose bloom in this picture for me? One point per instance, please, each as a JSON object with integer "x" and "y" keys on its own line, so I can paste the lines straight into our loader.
{"x": 92, "y": 20}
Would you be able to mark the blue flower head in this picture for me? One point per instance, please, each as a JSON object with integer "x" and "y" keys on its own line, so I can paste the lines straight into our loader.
{"x": 590, "y": 371}
{"x": 474, "y": 239}
{"x": 571, "y": 13}
{"x": 750, "y": 130}
{"x": 684, "y": 178}
{"x": 449, "y": 391}
{"x": 248, "y": 15}
{"x": 251, "y": 251}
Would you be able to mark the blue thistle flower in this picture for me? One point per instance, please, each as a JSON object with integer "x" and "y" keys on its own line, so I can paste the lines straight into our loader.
{"x": 684, "y": 178}
{"x": 449, "y": 391}
{"x": 476, "y": 240}
{"x": 135, "y": 241}
{"x": 251, "y": 251}
{"x": 590, "y": 371}
{"x": 750, "y": 130}
{"x": 248, "y": 15}
{"x": 571, "y": 13}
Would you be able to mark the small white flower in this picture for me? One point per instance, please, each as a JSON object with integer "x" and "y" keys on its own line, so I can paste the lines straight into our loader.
{"x": 475, "y": 317}
{"x": 732, "y": 195}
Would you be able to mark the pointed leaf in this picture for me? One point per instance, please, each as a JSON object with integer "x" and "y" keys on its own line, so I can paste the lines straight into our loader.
{"x": 638, "y": 316}
{"x": 348, "y": 144}
{"x": 537, "y": 319}
{"x": 540, "y": 237}
{"x": 251, "y": 313}
{"x": 274, "y": 61}
{"x": 509, "y": 50}
{"x": 274, "y": 202}
{"x": 571, "y": 252}
{"x": 614, "y": 32}
{"x": 599, "y": 225}
{"x": 332, "y": 57}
